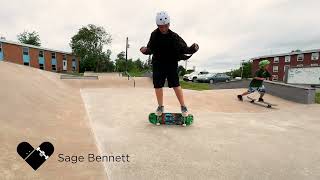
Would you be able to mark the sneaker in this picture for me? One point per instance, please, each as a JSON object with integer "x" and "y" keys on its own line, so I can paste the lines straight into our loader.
{"x": 159, "y": 110}
{"x": 260, "y": 100}
{"x": 240, "y": 98}
{"x": 184, "y": 111}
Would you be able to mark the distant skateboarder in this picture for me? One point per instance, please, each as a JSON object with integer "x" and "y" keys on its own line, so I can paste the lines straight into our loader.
{"x": 167, "y": 48}
{"x": 257, "y": 82}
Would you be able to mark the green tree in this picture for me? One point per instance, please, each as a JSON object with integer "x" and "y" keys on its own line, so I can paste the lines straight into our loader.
{"x": 247, "y": 67}
{"x": 181, "y": 70}
{"x": 88, "y": 45}
{"x": 246, "y": 73}
{"x": 135, "y": 66}
{"x": 31, "y": 38}
{"x": 139, "y": 64}
{"x": 120, "y": 62}
{"x": 147, "y": 65}
{"x": 106, "y": 65}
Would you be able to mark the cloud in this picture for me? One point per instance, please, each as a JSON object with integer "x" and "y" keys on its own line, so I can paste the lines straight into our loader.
{"x": 227, "y": 31}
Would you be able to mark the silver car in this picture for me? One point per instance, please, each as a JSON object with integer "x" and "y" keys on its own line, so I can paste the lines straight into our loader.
{"x": 214, "y": 78}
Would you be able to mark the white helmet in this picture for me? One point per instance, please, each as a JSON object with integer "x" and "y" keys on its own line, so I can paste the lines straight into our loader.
{"x": 162, "y": 18}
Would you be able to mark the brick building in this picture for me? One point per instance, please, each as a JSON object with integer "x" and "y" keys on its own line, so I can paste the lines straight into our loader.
{"x": 38, "y": 57}
{"x": 281, "y": 62}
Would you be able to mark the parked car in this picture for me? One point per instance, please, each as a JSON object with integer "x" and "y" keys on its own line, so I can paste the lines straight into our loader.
{"x": 214, "y": 78}
{"x": 204, "y": 78}
{"x": 194, "y": 76}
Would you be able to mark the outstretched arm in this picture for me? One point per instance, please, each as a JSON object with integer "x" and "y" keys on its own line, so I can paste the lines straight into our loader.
{"x": 184, "y": 49}
{"x": 150, "y": 47}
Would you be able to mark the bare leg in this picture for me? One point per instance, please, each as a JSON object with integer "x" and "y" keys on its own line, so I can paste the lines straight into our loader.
{"x": 245, "y": 93}
{"x": 159, "y": 94}
{"x": 179, "y": 95}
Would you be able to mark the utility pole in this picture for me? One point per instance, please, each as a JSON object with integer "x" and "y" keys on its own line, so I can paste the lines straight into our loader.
{"x": 242, "y": 61}
{"x": 127, "y": 46}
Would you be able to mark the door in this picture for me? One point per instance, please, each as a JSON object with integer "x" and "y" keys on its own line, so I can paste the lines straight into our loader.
{"x": 64, "y": 65}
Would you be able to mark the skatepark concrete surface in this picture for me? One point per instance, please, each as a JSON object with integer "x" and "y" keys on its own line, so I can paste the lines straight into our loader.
{"x": 229, "y": 139}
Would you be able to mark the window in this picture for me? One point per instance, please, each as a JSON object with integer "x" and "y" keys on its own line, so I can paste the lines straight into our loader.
{"x": 315, "y": 56}
{"x": 276, "y": 60}
{"x": 64, "y": 57}
{"x": 274, "y": 77}
{"x": 26, "y": 63}
{"x": 0, "y": 47}
{"x": 275, "y": 68}
{"x": 41, "y": 54}
{"x": 300, "y": 57}
{"x": 53, "y": 67}
{"x": 73, "y": 64}
{"x": 26, "y": 51}
{"x": 53, "y": 55}
{"x": 287, "y": 59}
{"x": 41, "y": 66}
{"x": 300, "y": 65}
{"x": 313, "y": 65}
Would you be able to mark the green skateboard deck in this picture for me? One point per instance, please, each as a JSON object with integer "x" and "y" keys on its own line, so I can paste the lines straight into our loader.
{"x": 171, "y": 119}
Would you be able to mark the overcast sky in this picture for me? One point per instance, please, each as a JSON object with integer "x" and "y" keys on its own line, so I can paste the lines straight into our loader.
{"x": 226, "y": 31}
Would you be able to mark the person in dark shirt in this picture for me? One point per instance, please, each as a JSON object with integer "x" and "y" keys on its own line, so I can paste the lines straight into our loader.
{"x": 257, "y": 82}
{"x": 167, "y": 48}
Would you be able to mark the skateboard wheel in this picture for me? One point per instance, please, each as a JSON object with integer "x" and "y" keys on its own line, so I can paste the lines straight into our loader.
{"x": 184, "y": 125}
{"x": 158, "y": 124}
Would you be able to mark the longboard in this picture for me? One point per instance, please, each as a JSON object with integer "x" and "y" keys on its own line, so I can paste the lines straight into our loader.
{"x": 253, "y": 100}
{"x": 171, "y": 119}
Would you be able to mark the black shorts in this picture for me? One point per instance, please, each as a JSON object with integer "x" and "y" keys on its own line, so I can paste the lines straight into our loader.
{"x": 163, "y": 72}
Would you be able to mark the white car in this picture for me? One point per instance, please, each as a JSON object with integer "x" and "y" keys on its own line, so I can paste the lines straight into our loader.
{"x": 194, "y": 76}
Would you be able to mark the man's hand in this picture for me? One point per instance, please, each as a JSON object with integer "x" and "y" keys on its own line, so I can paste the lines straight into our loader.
{"x": 144, "y": 50}
{"x": 196, "y": 46}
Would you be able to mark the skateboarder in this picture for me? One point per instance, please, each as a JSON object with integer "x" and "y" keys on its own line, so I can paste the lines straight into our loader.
{"x": 167, "y": 48}
{"x": 257, "y": 82}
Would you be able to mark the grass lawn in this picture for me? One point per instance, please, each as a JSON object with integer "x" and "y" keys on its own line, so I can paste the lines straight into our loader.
{"x": 135, "y": 73}
{"x": 318, "y": 97}
{"x": 194, "y": 86}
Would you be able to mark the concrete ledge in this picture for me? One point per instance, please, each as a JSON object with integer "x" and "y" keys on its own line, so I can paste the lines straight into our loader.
{"x": 78, "y": 77}
{"x": 295, "y": 93}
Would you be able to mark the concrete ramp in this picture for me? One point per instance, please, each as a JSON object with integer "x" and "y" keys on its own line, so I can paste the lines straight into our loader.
{"x": 36, "y": 106}
{"x": 109, "y": 117}
{"x": 228, "y": 140}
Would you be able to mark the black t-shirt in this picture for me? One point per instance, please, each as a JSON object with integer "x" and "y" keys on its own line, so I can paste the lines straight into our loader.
{"x": 261, "y": 73}
{"x": 167, "y": 48}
